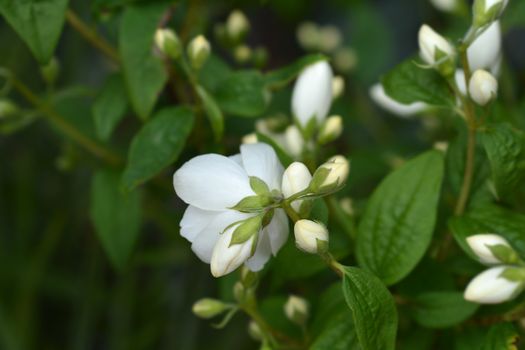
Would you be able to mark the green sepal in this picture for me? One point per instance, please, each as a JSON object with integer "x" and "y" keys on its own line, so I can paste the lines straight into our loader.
{"x": 267, "y": 218}
{"x": 514, "y": 274}
{"x": 259, "y": 186}
{"x": 446, "y": 64}
{"x": 322, "y": 246}
{"x": 253, "y": 204}
{"x": 504, "y": 253}
{"x": 319, "y": 177}
{"x": 246, "y": 230}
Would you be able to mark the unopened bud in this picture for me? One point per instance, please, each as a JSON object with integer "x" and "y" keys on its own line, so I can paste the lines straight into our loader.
{"x": 239, "y": 291}
{"x": 249, "y": 139}
{"x": 310, "y": 236}
{"x": 495, "y": 285}
{"x": 296, "y": 178}
{"x": 338, "y": 86}
{"x": 331, "y": 174}
{"x": 208, "y": 308}
{"x": 255, "y": 331}
{"x": 237, "y": 26}
{"x": 436, "y": 51}
{"x": 347, "y": 205}
{"x": 50, "y": 71}
{"x": 345, "y": 59}
{"x": 168, "y": 42}
{"x": 330, "y": 38}
{"x": 242, "y": 53}
{"x": 296, "y": 309}
{"x": 226, "y": 257}
{"x": 331, "y": 129}
{"x": 198, "y": 51}
{"x": 294, "y": 141}
{"x": 486, "y": 11}
{"x": 445, "y": 5}
{"x": 308, "y": 35}
{"x": 483, "y": 87}
{"x": 492, "y": 249}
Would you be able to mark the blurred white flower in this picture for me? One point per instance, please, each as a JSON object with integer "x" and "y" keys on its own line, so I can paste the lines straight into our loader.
{"x": 485, "y": 51}
{"x": 312, "y": 93}
{"x": 379, "y": 96}
{"x": 212, "y": 184}
{"x": 490, "y": 287}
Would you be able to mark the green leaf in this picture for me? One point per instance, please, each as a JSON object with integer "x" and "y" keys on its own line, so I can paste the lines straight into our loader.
{"x": 213, "y": 73}
{"x": 109, "y": 106}
{"x": 116, "y": 216}
{"x": 373, "y": 309}
{"x": 144, "y": 72}
{"x": 212, "y": 111}
{"x": 408, "y": 83}
{"x": 399, "y": 220}
{"x": 501, "y": 336}
{"x": 441, "y": 309}
{"x": 157, "y": 145}
{"x": 505, "y": 147}
{"x": 279, "y": 78}
{"x": 38, "y": 22}
{"x": 243, "y": 94}
{"x": 490, "y": 219}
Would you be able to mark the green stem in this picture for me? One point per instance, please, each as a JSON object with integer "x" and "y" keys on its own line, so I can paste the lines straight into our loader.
{"x": 290, "y": 211}
{"x": 92, "y": 36}
{"x": 64, "y": 126}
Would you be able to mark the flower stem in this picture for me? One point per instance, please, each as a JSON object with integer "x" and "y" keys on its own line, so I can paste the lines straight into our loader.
{"x": 290, "y": 211}
{"x": 64, "y": 126}
{"x": 92, "y": 36}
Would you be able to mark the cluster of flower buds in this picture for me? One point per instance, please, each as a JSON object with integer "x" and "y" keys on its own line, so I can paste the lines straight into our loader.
{"x": 169, "y": 44}
{"x": 501, "y": 282}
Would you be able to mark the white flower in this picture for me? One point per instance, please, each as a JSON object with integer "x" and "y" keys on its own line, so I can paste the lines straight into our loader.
{"x": 378, "y": 94}
{"x": 296, "y": 309}
{"x": 483, "y": 87}
{"x": 445, "y": 5}
{"x": 296, "y": 178}
{"x": 307, "y": 233}
{"x": 312, "y": 93}
{"x": 485, "y": 51}
{"x": 480, "y": 246}
{"x": 489, "y": 287}
{"x": 432, "y": 46}
{"x": 211, "y": 184}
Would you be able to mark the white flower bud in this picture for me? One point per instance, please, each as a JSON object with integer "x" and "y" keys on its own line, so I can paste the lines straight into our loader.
{"x": 168, "y": 42}
{"x": 483, "y": 87}
{"x": 331, "y": 174}
{"x": 307, "y": 233}
{"x": 480, "y": 245}
{"x": 226, "y": 258}
{"x": 330, "y": 38}
{"x": 347, "y": 205}
{"x": 296, "y": 178}
{"x": 296, "y": 309}
{"x": 436, "y": 50}
{"x": 485, "y": 51}
{"x": 294, "y": 142}
{"x": 486, "y": 11}
{"x": 378, "y": 94}
{"x": 312, "y": 93}
{"x": 242, "y": 53}
{"x": 345, "y": 59}
{"x": 237, "y": 25}
{"x": 490, "y": 287}
{"x": 208, "y": 308}
{"x": 338, "y": 86}
{"x": 249, "y": 139}
{"x": 308, "y": 35}
{"x": 255, "y": 331}
{"x": 198, "y": 51}
{"x": 331, "y": 129}
{"x": 445, "y": 5}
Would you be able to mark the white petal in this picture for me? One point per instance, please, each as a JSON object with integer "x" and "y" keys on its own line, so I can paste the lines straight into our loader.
{"x": 226, "y": 258}
{"x": 206, "y": 240}
{"x": 312, "y": 93}
{"x": 378, "y": 94}
{"x": 262, "y": 254}
{"x": 211, "y": 182}
{"x": 490, "y": 288}
{"x": 260, "y": 160}
{"x": 237, "y": 159}
{"x": 484, "y": 52}
{"x": 277, "y": 230}
{"x": 460, "y": 81}
{"x": 194, "y": 221}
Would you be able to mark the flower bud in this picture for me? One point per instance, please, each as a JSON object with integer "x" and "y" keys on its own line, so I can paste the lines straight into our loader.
{"x": 436, "y": 50}
{"x": 310, "y": 236}
{"x": 50, "y": 71}
{"x": 487, "y": 11}
{"x": 255, "y": 331}
{"x": 308, "y": 35}
{"x": 226, "y": 257}
{"x": 331, "y": 174}
{"x": 312, "y": 93}
{"x": 330, "y": 38}
{"x": 331, "y": 129}
{"x": 296, "y": 309}
{"x": 347, "y": 205}
{"x": 198, "y": 51}
{"x": 242, "y": 53}
{"x": 296, "y": 178}
{"x": 338, "y": 86}
{"x": 237, "y": 25}
{"x": 483, "y": 87}
{"x": 379, "y": 96}
{"x": 294, "y": 141}
{"x": 345, "y": 59}
{"x": 445, "y": 5}
{"x": 492, "y": 249}
{"x": 208, "y": 308}
{"x": 249, "y": 139}
{"x": 168, "y": 42}
{"x": 485, "y": 50}
{"x": 7, "y": 108}
{"x": 492, "y": 286}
